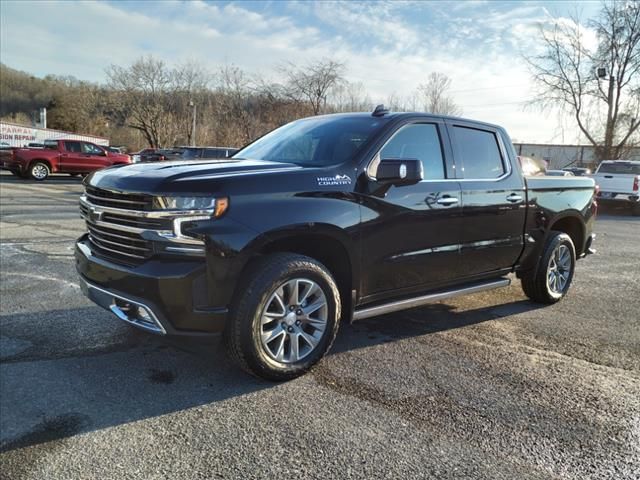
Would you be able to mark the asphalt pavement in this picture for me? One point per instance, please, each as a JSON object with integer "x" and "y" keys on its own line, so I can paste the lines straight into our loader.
{"x": 486, "y": 386}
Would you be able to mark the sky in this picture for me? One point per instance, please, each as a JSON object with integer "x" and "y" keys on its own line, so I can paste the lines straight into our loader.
{"x": 389, "y": 47}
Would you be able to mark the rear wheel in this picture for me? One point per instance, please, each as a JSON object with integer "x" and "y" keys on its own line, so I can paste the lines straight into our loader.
{"x": 39, "y": 171}
{"x": 550, "y": 281}
{"x": 286, "y": 317}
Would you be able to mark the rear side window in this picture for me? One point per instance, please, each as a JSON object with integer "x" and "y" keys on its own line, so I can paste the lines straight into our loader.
{"x": 620, "y": 167}
{"x": 420, "y": 141}
{"x": 479, "y": 152}
{"x": 75, "y": 147}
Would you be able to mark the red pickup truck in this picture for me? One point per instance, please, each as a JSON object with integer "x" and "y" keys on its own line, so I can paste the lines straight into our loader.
{"x": 60, "y": 156}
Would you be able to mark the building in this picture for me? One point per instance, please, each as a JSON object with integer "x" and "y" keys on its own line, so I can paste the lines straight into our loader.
{"x": 561, "y": 156}
{"x": 19, "y": 135}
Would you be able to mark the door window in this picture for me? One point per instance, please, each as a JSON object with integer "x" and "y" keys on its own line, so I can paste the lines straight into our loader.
{"x": 419, "y": 141}
{"x": 91, "y": 149}
{"x": 74, "y": 147}
{"x": 479, "y": 153}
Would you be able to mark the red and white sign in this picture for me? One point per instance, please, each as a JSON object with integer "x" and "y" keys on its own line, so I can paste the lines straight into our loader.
{"x": 20, "y": 136}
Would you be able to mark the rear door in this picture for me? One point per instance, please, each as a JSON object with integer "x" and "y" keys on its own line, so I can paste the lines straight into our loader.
{"x": 493, "y": 199}
{"x": 72, "y": 158}
{"x": 411, "y": 233}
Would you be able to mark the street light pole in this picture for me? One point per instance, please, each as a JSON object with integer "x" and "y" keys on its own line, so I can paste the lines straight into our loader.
{"x": 193, "y": 125}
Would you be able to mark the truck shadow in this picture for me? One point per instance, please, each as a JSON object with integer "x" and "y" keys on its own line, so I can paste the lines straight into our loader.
{"x": 61, "y": 380}
{"x": 55, "y": 179}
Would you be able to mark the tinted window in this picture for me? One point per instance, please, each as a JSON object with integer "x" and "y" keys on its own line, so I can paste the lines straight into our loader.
{"x": 620, "y": 167}
{"x": 75, "y": 147}
{"x": 191, "y": 153}
{"x": 214, "y": 153}
{"x": 420, "y": 142}
{"x": 318, "y": 141}
{"x": 479, "y": 153}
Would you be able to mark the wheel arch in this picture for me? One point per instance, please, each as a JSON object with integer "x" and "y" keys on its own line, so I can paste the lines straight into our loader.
{"x": 573, "y": 225}
{"x": 327, "y": 244}
{"x": 47, "y": 162}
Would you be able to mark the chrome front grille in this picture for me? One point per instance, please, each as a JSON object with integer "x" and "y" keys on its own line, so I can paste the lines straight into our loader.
{"x": 124, "y": 228}
{"x": 118, "y": 242}
{"x": 127, "y": 201}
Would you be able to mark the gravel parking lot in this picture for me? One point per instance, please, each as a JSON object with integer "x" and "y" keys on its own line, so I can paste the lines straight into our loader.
{"x": 486, "y": 386}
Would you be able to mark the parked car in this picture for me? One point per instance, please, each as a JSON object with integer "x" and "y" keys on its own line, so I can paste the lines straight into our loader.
{"x": 619, "y": 183}
{"x": 61, "y": 156}
{"x": 340, "y": 216}
{"x": 156, "y": 155}
{"x": 578, "y": 171}
{"x": 204, "y": 153}
{"x": 558, "y": 173}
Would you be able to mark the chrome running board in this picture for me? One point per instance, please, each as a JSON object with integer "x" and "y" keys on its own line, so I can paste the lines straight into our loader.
{"x": 426, "y": 299}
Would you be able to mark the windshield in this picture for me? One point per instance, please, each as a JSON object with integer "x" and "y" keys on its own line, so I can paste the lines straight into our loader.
{"x": 314, "y": 142}
{"x": 620, "y": 167}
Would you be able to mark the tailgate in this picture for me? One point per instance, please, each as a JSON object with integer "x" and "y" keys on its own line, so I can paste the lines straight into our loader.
{"x": 615, "y": 182}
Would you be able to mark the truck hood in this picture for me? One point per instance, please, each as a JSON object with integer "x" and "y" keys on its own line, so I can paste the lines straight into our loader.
{"x": 181, "y": 176}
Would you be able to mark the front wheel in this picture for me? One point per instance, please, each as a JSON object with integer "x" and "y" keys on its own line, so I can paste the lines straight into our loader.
{"x": 39, "y": 171}
{"x": 551, "y": 279}
{"x": 285, "y": 318}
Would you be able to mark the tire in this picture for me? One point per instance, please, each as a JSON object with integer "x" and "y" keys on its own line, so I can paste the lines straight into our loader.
{"x": 549, "y": 282}
{"x": 257, "y": 314}
{"x": 39, "y": 171}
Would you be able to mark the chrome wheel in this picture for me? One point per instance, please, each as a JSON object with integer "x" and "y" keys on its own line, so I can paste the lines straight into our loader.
{"x": 559, "y": 270}
{"x": 39, "y": 171}
{"x": 293, "y": 320}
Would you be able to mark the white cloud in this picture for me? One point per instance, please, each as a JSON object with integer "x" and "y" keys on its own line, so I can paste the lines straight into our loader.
{"x": 382, "y": 44}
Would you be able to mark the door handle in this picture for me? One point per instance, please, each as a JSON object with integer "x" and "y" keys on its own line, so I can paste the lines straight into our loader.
{"x": 447, "y": 201}
{"x": 514, "y": 197}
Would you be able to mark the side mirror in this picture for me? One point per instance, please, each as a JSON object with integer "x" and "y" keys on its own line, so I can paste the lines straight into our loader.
{"x": 399, "y": 172}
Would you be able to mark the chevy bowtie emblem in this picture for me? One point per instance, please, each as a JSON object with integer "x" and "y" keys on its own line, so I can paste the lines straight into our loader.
{"x": 95, "y": 215}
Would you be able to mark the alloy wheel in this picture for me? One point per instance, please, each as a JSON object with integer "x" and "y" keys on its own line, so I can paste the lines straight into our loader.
{"x": 293, "y": 320}
{"x": 559, "y": 269}
{"x": 39, "y": 172}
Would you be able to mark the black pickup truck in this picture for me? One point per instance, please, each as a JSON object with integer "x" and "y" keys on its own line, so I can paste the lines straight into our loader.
{"x": 340, "y": 216}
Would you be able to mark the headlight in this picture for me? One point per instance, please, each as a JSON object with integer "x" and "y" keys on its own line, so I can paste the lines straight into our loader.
{"x": 217, "y": 206}
{"x": 187, "y": 203}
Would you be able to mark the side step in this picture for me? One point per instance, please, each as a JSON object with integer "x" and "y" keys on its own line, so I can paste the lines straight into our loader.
{"x": 431, "y": 298}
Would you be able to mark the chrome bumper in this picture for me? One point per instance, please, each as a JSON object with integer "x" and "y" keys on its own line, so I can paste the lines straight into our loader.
{"x": 128, "y": 310}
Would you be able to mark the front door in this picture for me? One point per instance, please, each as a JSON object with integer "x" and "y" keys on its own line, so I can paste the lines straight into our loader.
{"x": 93, "y": 157}
{"x": 493, "y": 200}
{"x": 411, "y": 234}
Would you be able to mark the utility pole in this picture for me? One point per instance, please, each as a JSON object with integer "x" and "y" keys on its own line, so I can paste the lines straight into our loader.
{"x": 193, "y": 125}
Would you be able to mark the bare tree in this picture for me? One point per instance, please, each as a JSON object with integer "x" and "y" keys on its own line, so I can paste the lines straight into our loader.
{"x": 143, "y": 90}
{"x": 435, "y": 97}
{"x": 313, "y": 81}
{"x": 350, "y": 97}
{"x": 599, "y": 87}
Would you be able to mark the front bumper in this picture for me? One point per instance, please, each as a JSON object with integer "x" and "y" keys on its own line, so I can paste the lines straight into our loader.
{"x": 162, "y": 296}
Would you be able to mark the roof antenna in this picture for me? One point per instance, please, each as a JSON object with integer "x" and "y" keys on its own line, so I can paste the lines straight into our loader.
{"x": 380, "y": 111}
